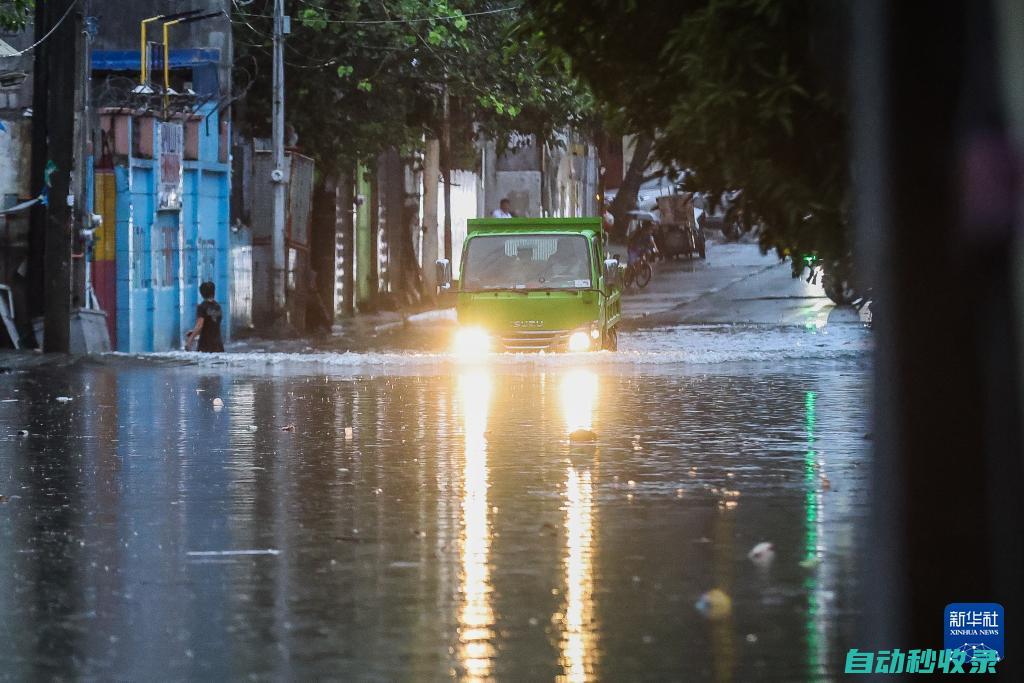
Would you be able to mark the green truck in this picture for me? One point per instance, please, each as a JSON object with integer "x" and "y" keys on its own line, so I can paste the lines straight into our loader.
{"x": 535, "y": 284}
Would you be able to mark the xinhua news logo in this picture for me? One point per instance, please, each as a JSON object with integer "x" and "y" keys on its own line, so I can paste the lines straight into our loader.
{"x": 975, "y": 628}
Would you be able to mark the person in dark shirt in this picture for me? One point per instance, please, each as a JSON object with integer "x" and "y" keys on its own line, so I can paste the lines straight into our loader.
{"x": 208, "y": 316}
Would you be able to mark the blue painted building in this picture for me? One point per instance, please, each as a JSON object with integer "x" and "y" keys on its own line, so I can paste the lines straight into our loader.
{"x": 162, "y": 185}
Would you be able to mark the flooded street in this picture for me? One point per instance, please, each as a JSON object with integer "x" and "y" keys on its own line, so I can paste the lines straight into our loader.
{"x": 403, "y": 516}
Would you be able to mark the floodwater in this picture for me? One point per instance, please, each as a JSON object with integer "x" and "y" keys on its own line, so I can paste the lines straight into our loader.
{"x": 401, "y": 516}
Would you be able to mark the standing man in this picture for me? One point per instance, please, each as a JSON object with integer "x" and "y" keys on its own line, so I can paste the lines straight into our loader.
{"x": 504, "y": 209}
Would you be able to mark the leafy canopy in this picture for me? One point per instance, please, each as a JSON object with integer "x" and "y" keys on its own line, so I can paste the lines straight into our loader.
{"x": 364, "y": 76}
{"x": 14, "y": 14}
{"x": 736, "y": 91}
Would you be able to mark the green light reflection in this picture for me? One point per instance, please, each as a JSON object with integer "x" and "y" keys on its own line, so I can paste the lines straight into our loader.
{"x": 812, "y": 520}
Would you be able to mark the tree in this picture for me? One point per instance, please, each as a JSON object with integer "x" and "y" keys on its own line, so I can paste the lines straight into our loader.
{"x": 14, "y": 14}
{"x": 366, "y": 77}
{"x": 737, "y": 93}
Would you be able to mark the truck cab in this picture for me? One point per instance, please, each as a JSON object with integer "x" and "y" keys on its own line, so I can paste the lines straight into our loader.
{"x": 535, "y": 284}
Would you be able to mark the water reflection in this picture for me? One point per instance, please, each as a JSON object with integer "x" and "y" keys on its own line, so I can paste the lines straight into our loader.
{"x": 813, "y": 550}
{"x": 578, "y": 643}
{"x": 439, "y": 537}
{"x": 579, "y": 398}
{"x": 476, "y": 614}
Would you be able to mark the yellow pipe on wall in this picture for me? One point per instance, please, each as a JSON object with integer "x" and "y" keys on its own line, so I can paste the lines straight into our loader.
{"x": 142, "y": 48}
{"x": 167, "y": 60}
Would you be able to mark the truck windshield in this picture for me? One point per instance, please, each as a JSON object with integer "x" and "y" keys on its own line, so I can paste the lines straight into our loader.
{"x": 526, "y": 262}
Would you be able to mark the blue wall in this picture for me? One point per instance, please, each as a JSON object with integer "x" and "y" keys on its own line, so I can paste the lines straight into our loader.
{"x": 163, "y": 256}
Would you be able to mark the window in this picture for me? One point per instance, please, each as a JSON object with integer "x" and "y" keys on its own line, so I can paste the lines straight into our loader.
{"x": 526, "y": 262}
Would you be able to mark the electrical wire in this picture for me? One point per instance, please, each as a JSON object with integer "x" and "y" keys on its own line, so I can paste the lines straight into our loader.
{"x": 48, "y": 33}
{"x": 415, "y": 20}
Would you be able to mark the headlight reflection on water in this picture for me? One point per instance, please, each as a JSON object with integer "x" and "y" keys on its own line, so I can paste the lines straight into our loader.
{"x": 578, "y": 643}
{"x": 579, "y": 398}
{"x": 476, "y": 614}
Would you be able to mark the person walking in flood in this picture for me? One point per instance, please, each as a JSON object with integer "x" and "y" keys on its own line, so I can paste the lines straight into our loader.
{"x": 208, "y": 317}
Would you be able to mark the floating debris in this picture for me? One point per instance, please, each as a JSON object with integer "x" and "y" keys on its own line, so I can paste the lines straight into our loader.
{"x": 810, "y": 562}
{"x": 62, "y": 399}
{"x": 218, "y": 402}
{"x": 229, "y": 553}
{"x": 762, "y": 554}
{"x": 22, "y": 432}
{"x": 288, "y": 428}
{"x": 583, "y": 436}
{"x": 715, "y": 604}
{"x": 348, "y": 433}
{"x": 253, "y": 428}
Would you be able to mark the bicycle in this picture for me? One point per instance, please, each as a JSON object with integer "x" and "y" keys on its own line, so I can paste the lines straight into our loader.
{"x": 639, "y": 271}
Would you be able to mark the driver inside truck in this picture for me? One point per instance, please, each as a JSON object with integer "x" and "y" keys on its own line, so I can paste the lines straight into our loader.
{"x": 522, "y": 269}
{"x": 568, "y": 261}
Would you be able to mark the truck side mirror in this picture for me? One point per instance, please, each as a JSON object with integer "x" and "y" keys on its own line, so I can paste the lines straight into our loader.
{"x": 611, "y": 273}
{"x": 444, "y": 273}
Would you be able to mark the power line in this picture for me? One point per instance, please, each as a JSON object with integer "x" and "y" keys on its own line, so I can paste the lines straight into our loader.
{"x": 48, "y": 33}
{"x": 414, "y": 20}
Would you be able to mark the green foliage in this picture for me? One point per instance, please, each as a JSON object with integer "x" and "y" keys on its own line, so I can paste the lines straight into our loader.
{"x": 365, "y": 76}
{"x": 736, "y": 91}
{"x": 14, "y": 14}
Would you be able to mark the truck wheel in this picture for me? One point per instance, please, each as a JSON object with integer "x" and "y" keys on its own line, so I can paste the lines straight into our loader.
{"x": 611, "y": 340}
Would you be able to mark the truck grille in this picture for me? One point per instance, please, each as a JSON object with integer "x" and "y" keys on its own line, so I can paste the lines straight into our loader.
{"x": 535, "y": 340}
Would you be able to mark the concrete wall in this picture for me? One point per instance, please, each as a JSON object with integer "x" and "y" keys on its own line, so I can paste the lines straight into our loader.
{"x": 15, "y": 165}
{"x": 560, "y": 180}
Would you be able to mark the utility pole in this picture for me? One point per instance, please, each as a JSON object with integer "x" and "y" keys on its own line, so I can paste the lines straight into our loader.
{"x": 430, "y": 173}
{"x": 80, "y": 285}
{"x": 54, "y": 142}
{"x": 277, "y": 241}
{"x": 446, "y": 170}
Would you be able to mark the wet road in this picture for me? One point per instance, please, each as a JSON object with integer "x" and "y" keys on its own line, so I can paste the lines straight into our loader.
{"x": 402, "y": 516}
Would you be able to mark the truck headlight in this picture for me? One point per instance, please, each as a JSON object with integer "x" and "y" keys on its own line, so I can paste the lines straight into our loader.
{"x": 472, "y": 341}
{"x": 579, "y": 341}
